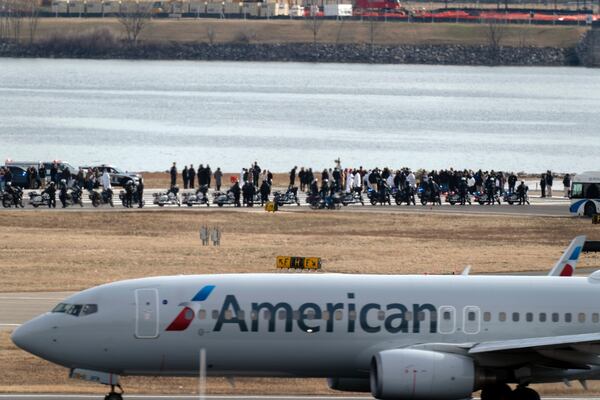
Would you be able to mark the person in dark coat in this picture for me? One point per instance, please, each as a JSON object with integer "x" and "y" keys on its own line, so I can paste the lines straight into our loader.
{"x": 543, "y": 185}
{"x": 293, "y": 176}
{"x": 140, "y": 193}
{"x": 62, "y": 196}
{"x": 54, "y": 173}
{"x": 256, "y": 173}
{"x": 191, "y": 175}
{"x": 265, "y": 190}
{"x": 208, "y": 175}
{"x": 51, "y": 190}
{"x": 184, "y": 176}
{"x": 42, "y": 175}
{"x": 235, "y": 189}
{"x": 173, "y": 174}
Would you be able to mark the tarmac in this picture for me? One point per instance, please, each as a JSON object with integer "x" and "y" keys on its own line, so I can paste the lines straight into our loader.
{"x": 540, "y": 207}
{"x": 223, "y": 397}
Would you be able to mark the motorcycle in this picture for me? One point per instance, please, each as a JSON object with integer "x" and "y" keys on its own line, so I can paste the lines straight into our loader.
{"x": 223, "y": 198}
{"x": 289, "y": 197}
{"x": 317, "y": 202}
{"x": 170, "y": 197}
{"x": 199, "y": 198}
{"x": 38, "y": 199}
{"x": 427, "y": 197}
{"x": 104, "y": 197}
{"x": 353, "y": 197}
{"x": 406, "y": 195}
{"x": 453, "y": 197}
{"x": 135, "y": 198}
{"x": 14, "y": 197}
{"x": 482, "y": 198}
{"x": 376, "y": 197}
{"x": 75, "y": 196}
{"x": 513, "y": 198}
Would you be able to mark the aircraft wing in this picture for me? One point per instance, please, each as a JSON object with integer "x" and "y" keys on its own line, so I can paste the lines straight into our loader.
{"x": 540, "y": 343}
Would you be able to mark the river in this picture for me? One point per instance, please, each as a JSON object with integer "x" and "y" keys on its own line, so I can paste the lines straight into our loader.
{"x": 143, "y": 115}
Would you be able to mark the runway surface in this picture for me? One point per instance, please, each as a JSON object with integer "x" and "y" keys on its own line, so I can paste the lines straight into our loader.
{"x": 548, "y": 207}
{"x": 223, "y": 397}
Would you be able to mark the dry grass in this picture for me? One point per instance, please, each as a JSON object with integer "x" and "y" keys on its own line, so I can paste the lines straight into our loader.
{"x": 292, "y": 31}
{"x": 72, "y": 251}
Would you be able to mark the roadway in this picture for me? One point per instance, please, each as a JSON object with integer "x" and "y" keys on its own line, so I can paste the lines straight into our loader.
{"x": 220, "y": 397}
{"x": 540, "y": 207}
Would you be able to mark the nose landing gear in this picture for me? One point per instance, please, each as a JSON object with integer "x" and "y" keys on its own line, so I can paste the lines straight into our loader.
{"x": 114, "y": 395}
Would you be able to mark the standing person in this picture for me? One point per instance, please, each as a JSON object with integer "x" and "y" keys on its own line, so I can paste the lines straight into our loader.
{"x": 256, "y": 173}
{"x": 543, "y": 185}
{"x": 235, "y": 189}
{"x": 184, "y": 176}
{"x": 80, "y": 178}
{"x": 265, "y": 190}
{"x": 208, "y": 175}
{"x": 2, "y": 181}
{"x": 42, "y": 175}
{"x": 51, "y": 190}
{"x": 191, "y": 175}
{"x": 129, "y": 194}
{"x": 106, "y": 180}
{"x": 174, "y": 174}
{"x": 512, "y": 181}
{"x": 293, "y": 176}
{"x": 549, "y": 181}
{"x": 140, "y": 193}
{"x": 54, "y": 173}
{"x": 28, "y": 178}
{"x": 218, "y": 178}
{"x": 62, "y": 196}
{"x": 567, "y": 184}
{"x": 201, "y": 174}
{"x": 66, "y": 175}
{"x": 521, "y": 193}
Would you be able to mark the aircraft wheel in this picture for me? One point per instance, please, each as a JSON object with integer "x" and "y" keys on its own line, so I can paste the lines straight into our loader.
{"x": 525, "y": 393}
{"x": 113, "y": 396}
{"x": 499, "y": 391}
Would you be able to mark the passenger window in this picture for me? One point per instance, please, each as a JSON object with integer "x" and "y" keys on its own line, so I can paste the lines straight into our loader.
{"x": 555, "y": 317}
{"x": 296, "y": 315}
{"x": 351, "y": 315}
{"x": 241, "y": 314}
{"x": 310, "y": 314}
{"x": 326, "y": 315}
{"x": 487, "y": 316}
{"x": 433, "y": 316}
{"x": 515, "y": 317}
{"x": 529, "y": 317}
{"x": 189, "y": 314}
{"x": 421, "y": 316}
{"x": 471, "y": 316}
{"x": 339, "y": 315}
{"x": 567, "y": 317}
{"x": 447, "y": 315}
{"x": 282, "y": 314}
{"x": 381, "y": 315}
{"x": 267, "y": 314}
{"x": 502, "y": 316}
{"x": 581, "y": 317}
{"x": 215, "y": 314}
{"x": 253, "y": 315}
{"x": 202, "y": 314}
{"x": 543, "y": 317}
{"x": 595, "y": 318}
{"x": 228, "y": 315}
{"x": 408, "y": 316}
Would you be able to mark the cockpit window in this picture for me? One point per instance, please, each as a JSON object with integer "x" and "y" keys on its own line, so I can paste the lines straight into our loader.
{"x": 76, "y": 309}
{"x": 89, "y": 309}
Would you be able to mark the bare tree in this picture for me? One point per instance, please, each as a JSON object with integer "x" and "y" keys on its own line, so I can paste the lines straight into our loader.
{"x": 134, "y": 20}
{"x": 211, "y": 34}
{"x": 314, "y": 23}
{"x": 33, "y": 14}
{"x": 338, "y": 36}
{"x": 373, "y": 29}
{"x": 495, "y": 35}
{"x": 14, "y": 11}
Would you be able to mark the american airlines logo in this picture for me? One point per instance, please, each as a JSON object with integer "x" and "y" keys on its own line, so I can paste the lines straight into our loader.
{"x": 310, "y": 317}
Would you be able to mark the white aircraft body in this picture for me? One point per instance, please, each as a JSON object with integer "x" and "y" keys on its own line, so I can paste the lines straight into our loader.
{"x": 400, "y": 337}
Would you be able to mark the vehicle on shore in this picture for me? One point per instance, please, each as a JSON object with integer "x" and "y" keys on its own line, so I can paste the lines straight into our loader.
{"x": 289, "y": 197}
{"x": 118, "y": 177}
{"x": 585, "y": 194}
{"x": 99, "y": 198}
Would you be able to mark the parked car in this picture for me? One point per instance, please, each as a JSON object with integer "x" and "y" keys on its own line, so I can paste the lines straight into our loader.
{"x": 61, "y": 165}
{"x": 19, "y": 177}
{"x": 118, "y": 177}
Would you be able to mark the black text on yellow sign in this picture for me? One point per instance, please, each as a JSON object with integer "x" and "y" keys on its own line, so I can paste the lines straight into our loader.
{"x": 285, "y": 262}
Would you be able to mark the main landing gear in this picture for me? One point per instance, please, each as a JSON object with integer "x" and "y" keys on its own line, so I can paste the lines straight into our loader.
{"x": 502, "y": 391}
{"x": 113, "y": 395}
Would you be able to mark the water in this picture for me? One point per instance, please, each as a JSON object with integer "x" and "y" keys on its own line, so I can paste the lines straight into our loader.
{"x": 143, "y": 115}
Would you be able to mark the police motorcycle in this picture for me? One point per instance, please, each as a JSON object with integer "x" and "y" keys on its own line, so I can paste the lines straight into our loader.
{"x": 135, "y": 196}
{"x": 376, "y": 197}
{"x": 104, "y": 197}
{"x": 353, "y": 197}
{"x": 171, "y": 197}
{"x": 330, "y": 202}
{"x": 453, "y": 197}
{"x": 427, "y": 196}
{"x": 513, "y": 198}
{"x": 404, "y": 195}
{"x": 482, "y": 197}
{"x": 37, "y": 199}
{"x": 224, "y": 198}
{"x": 198, "y": 198}
{"x": 287, "y": 198}
{"x": 75, "y": 196}
{"x": 13, "y": 195}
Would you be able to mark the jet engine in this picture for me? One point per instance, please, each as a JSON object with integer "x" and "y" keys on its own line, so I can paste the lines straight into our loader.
{"x": 349, "y": 384}
{"x": 421, "y": 375}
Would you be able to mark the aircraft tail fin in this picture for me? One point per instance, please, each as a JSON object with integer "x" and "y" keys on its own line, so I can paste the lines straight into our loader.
{"x": 568, "y": 261}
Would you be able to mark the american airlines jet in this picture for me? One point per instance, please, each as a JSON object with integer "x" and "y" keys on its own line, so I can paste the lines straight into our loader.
{"x": 399, "y": 337}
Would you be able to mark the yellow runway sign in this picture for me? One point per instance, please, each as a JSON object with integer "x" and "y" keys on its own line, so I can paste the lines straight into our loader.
{"x": 286, "y": 262}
